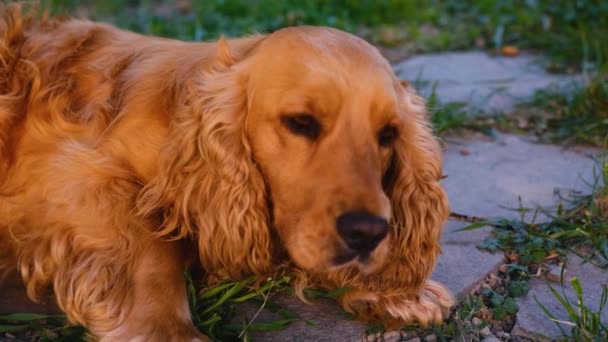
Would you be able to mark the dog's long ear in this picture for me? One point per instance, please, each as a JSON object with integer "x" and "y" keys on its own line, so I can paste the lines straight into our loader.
{"x": 419, "y": 203}
{"x": 209, "y": 186}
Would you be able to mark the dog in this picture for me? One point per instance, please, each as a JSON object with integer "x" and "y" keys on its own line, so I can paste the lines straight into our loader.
{"x": 123, "y": 155}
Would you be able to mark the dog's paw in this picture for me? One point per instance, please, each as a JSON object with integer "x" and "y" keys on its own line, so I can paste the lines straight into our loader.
{"x": 394, "y": 310}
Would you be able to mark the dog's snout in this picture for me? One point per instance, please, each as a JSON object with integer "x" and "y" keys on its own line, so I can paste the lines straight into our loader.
{"x": 361, "y": 231}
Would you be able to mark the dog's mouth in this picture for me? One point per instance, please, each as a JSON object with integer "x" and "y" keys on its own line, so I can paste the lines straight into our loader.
{"x": 345, "y": 258}
{"x": 366, "y": 261}
{"x": 350, "y": 257}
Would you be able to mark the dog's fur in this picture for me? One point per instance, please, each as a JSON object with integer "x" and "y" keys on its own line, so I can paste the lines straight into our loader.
{"x": 122, "y": 155}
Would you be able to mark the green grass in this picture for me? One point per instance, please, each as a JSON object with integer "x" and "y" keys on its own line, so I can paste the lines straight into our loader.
{"x": 575, "y": 115}
{"x": 569, "y": 32}
{"x": 201, "y": 20}
{"x": 454, "y": 116}
{"x": 445, "y": 116}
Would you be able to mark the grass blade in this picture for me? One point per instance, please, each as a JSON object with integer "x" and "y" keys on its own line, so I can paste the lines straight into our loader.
{"x": 564, "y": 302}
{"x": 208, "y": 293}
{"x": 476, "y": 225}
{"x": 237, "y": 287}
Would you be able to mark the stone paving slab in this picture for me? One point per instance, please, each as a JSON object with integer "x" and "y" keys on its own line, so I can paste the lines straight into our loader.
{"x": 322, "y": 320}
{"x": 485, "y": 177}
{"x": 492, "y": 84}
{"x": 462, "y": 266}
{"x": 533, "y": 322}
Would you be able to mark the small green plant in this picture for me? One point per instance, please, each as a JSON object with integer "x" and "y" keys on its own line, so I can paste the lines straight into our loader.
{"x": 532, "y": 242}
{"x": 501, "y": 305}
{"x": 447, "y": 116}
{"x": 451, "y": 115}
{"x": 460, "y": 326}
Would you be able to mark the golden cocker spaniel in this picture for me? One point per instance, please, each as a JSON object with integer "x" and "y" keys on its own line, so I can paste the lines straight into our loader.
{"x": 121, "y": 155}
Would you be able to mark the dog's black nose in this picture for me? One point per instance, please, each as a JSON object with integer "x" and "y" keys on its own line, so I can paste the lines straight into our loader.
{"x": 361, "y": 231}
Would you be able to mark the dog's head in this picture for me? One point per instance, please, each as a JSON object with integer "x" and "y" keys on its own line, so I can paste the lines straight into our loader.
{"x": 324, "y": 115}
{"x": 307, "y": 131}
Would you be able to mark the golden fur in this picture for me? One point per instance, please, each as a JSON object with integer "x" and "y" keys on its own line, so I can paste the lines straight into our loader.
{"x": 122, "y": 155}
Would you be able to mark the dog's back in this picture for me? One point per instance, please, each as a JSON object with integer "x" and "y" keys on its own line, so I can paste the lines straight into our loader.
{"x": 13, "y": 87}
{"x": 72, "y": 79}
{"x": 72, "y": 93}
{"x": 77, "y": 78}
{"x": 40, "y": 78}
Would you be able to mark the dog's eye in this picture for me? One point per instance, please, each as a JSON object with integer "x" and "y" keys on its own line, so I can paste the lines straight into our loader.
{"x": 387, "y": 135}
{"x": 303, "y": 124}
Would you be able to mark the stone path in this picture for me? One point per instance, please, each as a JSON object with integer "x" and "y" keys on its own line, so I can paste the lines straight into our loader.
{"x": 484, "y": 179}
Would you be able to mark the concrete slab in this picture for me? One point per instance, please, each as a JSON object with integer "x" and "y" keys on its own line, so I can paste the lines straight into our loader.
{"x": 487, "y": 179}
{"x": 532, "y": 322}
{"x": 323, "y": 320}
{"x": 492, "y": 84}
{"x": 462, "y": 266}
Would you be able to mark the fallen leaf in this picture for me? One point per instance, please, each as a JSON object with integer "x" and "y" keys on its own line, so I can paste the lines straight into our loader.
{"x": 509, "y": 50}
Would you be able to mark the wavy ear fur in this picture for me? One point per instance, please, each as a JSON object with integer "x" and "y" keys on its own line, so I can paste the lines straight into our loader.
{"x": 420, "y": 205}
{"x": 208, "y": 186}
